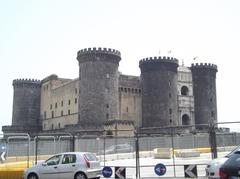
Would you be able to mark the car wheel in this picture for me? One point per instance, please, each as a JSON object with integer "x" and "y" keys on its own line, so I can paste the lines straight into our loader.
{"x": 80, "y": 176}
{"x": 32, "y": 176}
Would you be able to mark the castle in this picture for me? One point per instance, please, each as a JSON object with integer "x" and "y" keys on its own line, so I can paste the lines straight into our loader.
{"x": 165, "y": 94}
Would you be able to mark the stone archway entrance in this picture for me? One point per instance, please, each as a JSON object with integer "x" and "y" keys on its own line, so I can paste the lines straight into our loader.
{"x": 186, "y": 120}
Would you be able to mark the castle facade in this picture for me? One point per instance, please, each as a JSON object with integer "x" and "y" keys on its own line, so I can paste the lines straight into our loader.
{"x": 165, "y": 94}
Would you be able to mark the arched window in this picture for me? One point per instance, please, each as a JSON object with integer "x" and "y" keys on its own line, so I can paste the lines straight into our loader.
{"x": 184, "y": 91}
{"x": 186, "y": 120}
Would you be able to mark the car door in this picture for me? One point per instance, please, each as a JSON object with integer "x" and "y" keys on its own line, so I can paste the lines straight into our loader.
{"x": 68, "y": 166}
{"x": 50, "y": 168}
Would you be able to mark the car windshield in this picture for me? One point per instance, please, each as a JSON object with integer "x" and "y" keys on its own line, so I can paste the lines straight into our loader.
{"x": 233, "y": 151}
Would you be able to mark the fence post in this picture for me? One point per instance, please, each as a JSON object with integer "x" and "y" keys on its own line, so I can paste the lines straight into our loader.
{"x": 137, "y": 154}
{"x": 213, "y": 141}
{"x": 36, "y": 149}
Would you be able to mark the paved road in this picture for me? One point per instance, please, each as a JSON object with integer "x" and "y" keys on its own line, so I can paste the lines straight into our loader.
{"x": 148, "y": 164}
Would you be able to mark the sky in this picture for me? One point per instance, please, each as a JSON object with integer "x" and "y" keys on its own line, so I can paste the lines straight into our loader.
{"x": 41, "y": 37}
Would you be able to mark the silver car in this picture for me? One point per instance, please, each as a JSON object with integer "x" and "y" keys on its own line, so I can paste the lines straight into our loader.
{"x": 71, "y": 165}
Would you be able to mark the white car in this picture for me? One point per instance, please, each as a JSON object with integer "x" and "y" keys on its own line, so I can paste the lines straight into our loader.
{"x": 212, "y": 169}
{"x": 71, "y": 165}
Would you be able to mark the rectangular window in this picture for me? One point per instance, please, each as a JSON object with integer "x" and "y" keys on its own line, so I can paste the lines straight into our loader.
{"x": 76, "y": 90}
{"x": 69, "y": 102}
{"x": 51, "y": 106}
{"x": 69, "y": 112}
{"x": 52, "y": 114}
{"x": 75, "y": 100}
{"x": 55, "y": 105}
{"x": 61, "y": 103}
{"x": 45, "y": 115}
{"x": 61, "y": 113}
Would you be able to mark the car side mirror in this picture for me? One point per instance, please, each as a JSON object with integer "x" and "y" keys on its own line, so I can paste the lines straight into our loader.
{"x": 44, "y": 164}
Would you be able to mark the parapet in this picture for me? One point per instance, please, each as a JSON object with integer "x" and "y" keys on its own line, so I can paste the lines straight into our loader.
{"x": 163, "y": 59}
{"x": 26, "y": 81}
{"x": 204, "y": 66}
{"x": 49, "y": 78}
{"x": 95, "y": 50}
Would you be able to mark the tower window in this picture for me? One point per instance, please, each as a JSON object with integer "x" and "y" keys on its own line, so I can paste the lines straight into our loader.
{"x": 59, "y": 125}
{"x": 212, "y": 113}
{"x": 127, "y": 109}
{"x": 107, "y": 116}
{"x": 170, "y": 111}
{"x": 52, "y": 114}
{"x": 61, "y": 103}
{"x": 51, "y": 106}
{"x": 61, "y": 113}
{"x": 107, "y": 105}
{"x": 76, "y": 90}
{"x": 52, "y": 126}
{"x": 184, "y": 91}
{"x": 75, "y": 100}
{"x": 55, "y": 105}
{"x": 69, "y": 112}
{"x": 69, "y": 102}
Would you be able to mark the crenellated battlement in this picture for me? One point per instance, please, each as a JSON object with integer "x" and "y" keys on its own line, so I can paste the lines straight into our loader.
{"x": 160, "y": 59}
{"x": 26, "y": 81}
{"x": 204, "y": 65}
{"x": 95, "y": 50}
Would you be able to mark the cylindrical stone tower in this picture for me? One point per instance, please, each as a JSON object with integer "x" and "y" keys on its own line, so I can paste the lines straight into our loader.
{"x": 26, "y": 105}
{"x": 204, "y": 91}
{"x": 98, "y": 86}
{"x": 159, "y": 91}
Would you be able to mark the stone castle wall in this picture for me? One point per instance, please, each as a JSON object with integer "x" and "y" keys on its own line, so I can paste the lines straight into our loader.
{"x": 165, "y": 94}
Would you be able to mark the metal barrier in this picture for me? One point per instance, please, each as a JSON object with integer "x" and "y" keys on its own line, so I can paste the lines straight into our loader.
{"x": 206, "y": 142}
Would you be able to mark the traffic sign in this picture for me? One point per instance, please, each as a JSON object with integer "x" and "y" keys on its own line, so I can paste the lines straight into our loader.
{"x": 160, "y": 169}
{"x": 107, "y": 172}
{"x": 120, "y": 172}
{"x": 190, "y": 171}
{"x": 3, "y": 155}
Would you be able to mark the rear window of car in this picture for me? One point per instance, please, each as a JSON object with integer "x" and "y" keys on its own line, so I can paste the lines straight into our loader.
{"x": 90, "y": 157}
{"x": 233, "y": 161}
